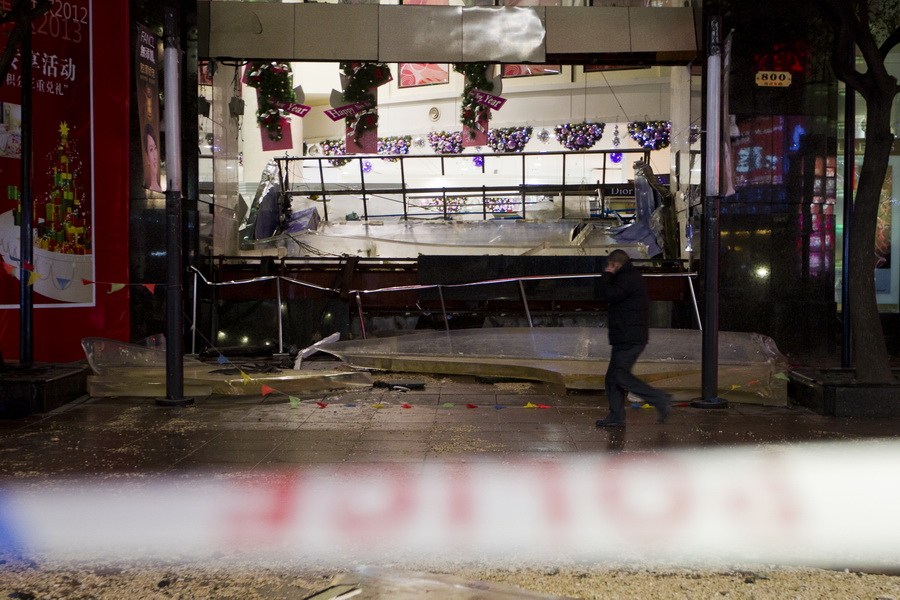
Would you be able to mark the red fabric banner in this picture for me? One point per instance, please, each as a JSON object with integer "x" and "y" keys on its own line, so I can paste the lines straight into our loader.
{"x": 79, "y": 183}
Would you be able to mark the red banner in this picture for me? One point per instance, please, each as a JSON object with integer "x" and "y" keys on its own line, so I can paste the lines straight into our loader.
{"x": 79, "y": 132}
{"x": 301, "y": 110}
{"x": 347, "y": 110}
{"x": 489, "y": 100}
{"x": 478, "y": 136}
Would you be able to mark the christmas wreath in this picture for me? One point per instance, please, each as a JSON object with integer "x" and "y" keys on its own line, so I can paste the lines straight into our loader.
{"x": 361, "y": 79}
{"x": 579, "y": 136}
{"x": 650, "y": 134}
{"x": 443, "y": 142}
{"x": 273, "y": 83}
{"x": 394, "y": 146}
{"x": 509, "y": 139}
{"x": 476, "y": 79}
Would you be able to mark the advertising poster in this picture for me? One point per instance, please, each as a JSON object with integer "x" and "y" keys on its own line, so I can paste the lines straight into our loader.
{"x": 147, "y": 78}
{"x": 79, "y": 184}
{"x": 530, "y": 70}
{"x": 419, "y": 74}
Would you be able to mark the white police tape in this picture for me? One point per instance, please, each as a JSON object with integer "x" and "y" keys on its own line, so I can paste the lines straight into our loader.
{"x": 830, "y": 504}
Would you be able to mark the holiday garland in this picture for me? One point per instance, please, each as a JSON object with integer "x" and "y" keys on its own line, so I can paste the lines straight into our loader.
{"x": 273, "y": 83}
{"x": 579, "y": 136}
{"x": 335, "y": 148}
{"x": 394, "y": 146}
{"x": 472, "y": 113}
{"x": 500, "y": 205}
{"x": 455, "y": 204}
{"x": 650, "y": 134}
{"x": 509, "y": 139}
{"x": 361, "y": 79}
{"x": 443, "y": 142}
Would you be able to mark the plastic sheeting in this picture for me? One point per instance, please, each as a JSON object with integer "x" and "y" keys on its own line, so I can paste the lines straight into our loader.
{"x": 750, "y": 366}
{"x": 123, "y": 369}
{"x": 303, "y": 220}
{"x": 645, "y": 228}
{"x": 263, "y": 216}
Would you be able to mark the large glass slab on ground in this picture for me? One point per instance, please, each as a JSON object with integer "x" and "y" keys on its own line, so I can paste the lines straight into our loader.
{"x": 139, "y": 370}
{"x": 751, "y": 369}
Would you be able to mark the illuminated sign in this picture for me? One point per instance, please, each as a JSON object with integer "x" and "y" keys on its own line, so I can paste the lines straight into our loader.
{"x": 773, "y": 78}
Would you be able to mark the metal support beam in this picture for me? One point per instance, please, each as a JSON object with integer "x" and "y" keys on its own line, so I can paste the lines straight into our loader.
{"x": 359, "y": 310}
{"x": 525, "y": 303}
{"x": 710, "y": 340}
{"x": 26, "y": 248}
{"x": 280, "y": 314}
{"x": 443, "y": 308}
{"x": 190, "y": 150}
{"x": 174, "y": 292}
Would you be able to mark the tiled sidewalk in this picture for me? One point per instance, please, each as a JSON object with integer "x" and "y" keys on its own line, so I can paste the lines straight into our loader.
{"x": 131, "y": 436}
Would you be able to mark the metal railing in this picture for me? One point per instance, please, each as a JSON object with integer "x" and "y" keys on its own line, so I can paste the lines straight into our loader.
{"x": 593, "y": 160}
{"x": 358, "y": 294}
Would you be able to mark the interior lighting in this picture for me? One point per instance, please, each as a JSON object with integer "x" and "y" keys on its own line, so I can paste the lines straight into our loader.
{"x": 221, "y": 335}
{"x": 245, "y": 340}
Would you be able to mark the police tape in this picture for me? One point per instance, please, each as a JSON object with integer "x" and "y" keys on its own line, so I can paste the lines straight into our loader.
{"x": 831, "y": 505}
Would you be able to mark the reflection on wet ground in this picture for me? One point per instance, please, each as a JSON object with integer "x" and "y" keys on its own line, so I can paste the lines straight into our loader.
{"x": 450, "y": 418}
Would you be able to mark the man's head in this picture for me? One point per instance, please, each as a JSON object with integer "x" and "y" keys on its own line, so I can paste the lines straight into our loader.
{"x": 618, "y": 259}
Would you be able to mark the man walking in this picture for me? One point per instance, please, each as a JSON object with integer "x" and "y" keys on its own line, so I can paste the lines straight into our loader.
{"x": 623, "y": 288}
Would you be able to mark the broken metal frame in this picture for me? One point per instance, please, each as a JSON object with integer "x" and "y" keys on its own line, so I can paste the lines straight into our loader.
{"x": 357, "y": 294}
{"x": 523, "y": 189}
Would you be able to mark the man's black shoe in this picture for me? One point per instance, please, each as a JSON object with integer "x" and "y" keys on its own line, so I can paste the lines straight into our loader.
{"x": 610, "y": 423}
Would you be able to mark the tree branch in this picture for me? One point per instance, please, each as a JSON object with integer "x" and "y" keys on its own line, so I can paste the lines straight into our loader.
{"x": 889, "y": 44}
{"x": 843, "y": 57}
{"x": 880, "y": 81}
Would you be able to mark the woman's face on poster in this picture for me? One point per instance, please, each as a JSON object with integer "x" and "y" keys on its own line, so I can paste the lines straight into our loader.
{"x": 152, "y": 156}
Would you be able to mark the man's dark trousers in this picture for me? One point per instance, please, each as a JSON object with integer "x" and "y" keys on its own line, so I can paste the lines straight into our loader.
{"x": 620, "y": 381}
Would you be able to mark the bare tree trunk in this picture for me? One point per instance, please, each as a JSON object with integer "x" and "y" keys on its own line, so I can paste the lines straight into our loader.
{"x": 872, "y": 360}
{"x": 852, "y": 35}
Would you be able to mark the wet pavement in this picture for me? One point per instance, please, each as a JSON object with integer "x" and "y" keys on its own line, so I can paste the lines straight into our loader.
{"x": 451, "y": 418}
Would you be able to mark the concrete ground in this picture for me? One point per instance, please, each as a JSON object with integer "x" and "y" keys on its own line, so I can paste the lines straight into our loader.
{"x": 451, "y": 418}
